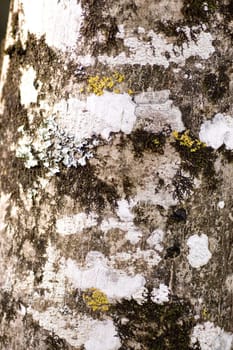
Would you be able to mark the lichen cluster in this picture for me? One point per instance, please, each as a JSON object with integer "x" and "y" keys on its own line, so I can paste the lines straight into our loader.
{"x": 98, "y": 84}
{"x": 187, "y": 140}
{"x": 96, "y": 300}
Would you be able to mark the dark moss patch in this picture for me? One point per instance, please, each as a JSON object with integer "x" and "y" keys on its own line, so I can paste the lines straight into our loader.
{"x": 198, "y": 11}
{"x": 151, "y": 326}
{"x": 183, "y": 186}
{"x": 8, "y": 306}
{"x": 216, "y": 85}
{"x": 98, "y": 20}
{"x": 196, "y": 160}
{"x": 146, "y": 141}
{"x": 54, "y": 342}
{"x": 227, "y": 154}
{"x": 127, "y": 186}
{"x": 82, "y": 184}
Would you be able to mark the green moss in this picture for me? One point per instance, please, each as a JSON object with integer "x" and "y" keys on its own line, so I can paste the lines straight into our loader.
{"x": 146, "y": 141}
{"x": 151, "y": 326}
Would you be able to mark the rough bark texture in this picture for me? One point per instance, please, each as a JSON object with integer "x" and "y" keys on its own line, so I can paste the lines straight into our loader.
{"x": 116, "y": 223}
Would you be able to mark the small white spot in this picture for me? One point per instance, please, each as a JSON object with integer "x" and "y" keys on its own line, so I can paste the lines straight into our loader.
{"x": 221, "y": 204}
{"x": 160, "y": 295}
{"x": 199, "y": 254}
{"x": 155, "y": 240}
{"x": 28, "y": 93}
{"x": 69, "y": 225}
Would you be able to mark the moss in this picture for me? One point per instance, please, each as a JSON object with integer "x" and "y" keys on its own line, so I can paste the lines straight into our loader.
{"x": 97, "y": 19}
{"x": 83, "y": 185}
{"x": 127, "y": 186}
{"x": 150, "y": 326}
{"x": 200, "y": 161}
{"x": 197, "y": 11}
{"x": 54, "y": 342}
{"x": 216, "y": 86}
{"x": 8, "y": 306}
{"x": 183, "y": 186}
{"x": 146, "y": 141}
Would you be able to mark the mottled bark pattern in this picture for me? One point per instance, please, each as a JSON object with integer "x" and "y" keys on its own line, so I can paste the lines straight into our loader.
{"x": 120, "y": 223}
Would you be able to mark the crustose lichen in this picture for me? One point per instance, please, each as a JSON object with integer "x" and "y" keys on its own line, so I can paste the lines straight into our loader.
{"x": 96, "y": 300}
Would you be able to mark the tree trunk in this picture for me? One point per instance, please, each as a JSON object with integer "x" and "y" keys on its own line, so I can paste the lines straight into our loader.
{"x": 116, "y": 175}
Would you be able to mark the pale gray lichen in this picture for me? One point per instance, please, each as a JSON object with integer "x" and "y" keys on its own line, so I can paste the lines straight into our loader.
{"x": 48, "y": 146}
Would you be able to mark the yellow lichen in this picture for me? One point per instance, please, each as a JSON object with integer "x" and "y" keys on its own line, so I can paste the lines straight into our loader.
{"x": 98, "y": 84}
{"x": 186, "y": 140}
{"x": 96, "y": 300}
{"x": 205, "y": 313}
{"x": 130, "y": 92}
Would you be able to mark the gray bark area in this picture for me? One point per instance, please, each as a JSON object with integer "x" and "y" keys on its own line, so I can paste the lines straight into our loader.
{"x": 122, "y": 168}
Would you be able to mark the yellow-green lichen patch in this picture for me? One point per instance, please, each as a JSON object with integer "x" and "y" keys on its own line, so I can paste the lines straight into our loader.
{"x": 96, "y": 300}
{"x": 98, "y": 84}
{"x": 187, "y": 140}
{"x": 196, "y": 156}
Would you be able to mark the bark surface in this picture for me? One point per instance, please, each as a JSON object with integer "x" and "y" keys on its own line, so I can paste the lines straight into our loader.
{"x": 116, "y": 173}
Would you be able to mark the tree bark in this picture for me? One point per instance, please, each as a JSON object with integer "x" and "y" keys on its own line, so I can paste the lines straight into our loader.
{"x": 116, "y": 168}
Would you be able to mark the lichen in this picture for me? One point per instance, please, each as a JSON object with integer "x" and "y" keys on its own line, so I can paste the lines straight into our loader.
{"x": 96, "y": 300}
{"x": 187, "y": 140}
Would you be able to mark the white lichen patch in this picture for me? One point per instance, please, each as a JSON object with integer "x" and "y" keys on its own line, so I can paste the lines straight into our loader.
{"x": 82, "y": 330}
{"x": 160, "y": 295}
{"x": 199, "y": 253}
{"x": 97, "y": 273}
{"x": 218, "y": 131}
{"x": 103, "y": 335}
{"x": 53, "y": 281}
{"x": 124, "y": 223}
{"x": 28, "y": 92}
{"x": 212, "y": 337}
{"x": 69, "y": 225}
{"x": 157, "y": 110}
{"x": 59, "y": 21}
{"x": 96, "y": 115}
{"x": 155, "y": 240}
{"x": 157, "y": 50}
